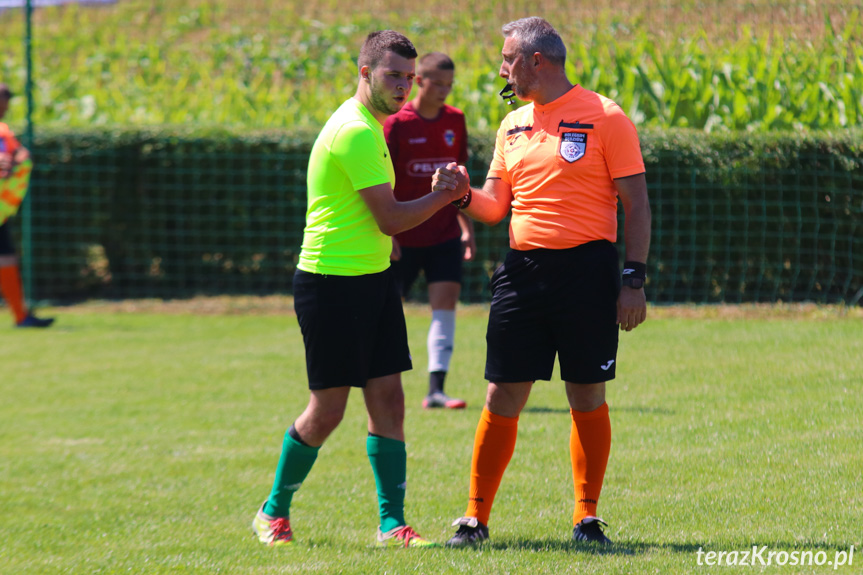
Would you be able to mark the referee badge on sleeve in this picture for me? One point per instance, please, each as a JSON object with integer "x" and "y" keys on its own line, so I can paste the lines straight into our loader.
{"x": 573, "y": 145}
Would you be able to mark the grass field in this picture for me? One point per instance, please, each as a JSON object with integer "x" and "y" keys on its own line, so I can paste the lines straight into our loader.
{"x": 138, "y": 441}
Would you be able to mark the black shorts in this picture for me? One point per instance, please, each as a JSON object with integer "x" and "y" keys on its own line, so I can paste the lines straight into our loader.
{"x": 353, "y": 328}
{"x": 440, "y": 263}
{"x": 7, "y": 245}
{"x": 547, "y": 302}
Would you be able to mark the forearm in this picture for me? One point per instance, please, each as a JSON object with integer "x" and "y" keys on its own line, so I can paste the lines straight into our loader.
{"x": 632, "y": 191}
{"x": 465, "y": 224}
{"x": 637, "y": 232}
{"x": 490, "y": 204}
{"x": 403, "y": 216}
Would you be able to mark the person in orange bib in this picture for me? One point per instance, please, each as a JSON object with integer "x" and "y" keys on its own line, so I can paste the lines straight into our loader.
{"x": 14, "y": 173}
{"x": 560, "y": 166}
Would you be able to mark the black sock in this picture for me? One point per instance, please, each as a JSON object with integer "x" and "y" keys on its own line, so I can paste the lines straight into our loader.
{"x": 436, "y": 379}
{"x": 295, "y": 435}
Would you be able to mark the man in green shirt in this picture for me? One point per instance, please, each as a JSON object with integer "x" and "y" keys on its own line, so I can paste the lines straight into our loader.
{"x": 347, "y": 301}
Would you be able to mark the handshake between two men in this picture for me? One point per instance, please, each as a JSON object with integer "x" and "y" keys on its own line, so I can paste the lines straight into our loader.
{"x": 452, "y": 177}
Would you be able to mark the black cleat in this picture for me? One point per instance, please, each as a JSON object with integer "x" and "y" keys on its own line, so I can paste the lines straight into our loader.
{"x": 470, "y": 532}
{"x": 588, "y": 530}
{"x": 33, "y": 321}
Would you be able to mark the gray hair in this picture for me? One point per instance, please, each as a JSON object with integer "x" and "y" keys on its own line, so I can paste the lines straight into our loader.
{"x": 535, "y": 34}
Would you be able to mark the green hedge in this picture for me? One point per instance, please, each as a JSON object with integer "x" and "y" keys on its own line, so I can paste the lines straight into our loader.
{"x": 175, "y": 212}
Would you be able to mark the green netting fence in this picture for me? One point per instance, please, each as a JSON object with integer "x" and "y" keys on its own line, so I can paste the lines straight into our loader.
{"x": 174, "y": 214}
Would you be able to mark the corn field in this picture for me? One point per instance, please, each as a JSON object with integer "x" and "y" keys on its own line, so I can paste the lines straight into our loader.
{"x": 705, "y": 64}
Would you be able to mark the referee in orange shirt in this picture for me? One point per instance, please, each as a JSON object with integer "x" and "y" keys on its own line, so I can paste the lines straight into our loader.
{"x": 560, "y": 164}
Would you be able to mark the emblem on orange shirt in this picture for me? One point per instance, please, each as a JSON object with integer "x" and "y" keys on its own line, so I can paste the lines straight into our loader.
{"x": 573, "y": 145}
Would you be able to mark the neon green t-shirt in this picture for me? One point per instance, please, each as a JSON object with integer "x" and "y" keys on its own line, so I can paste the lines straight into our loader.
{"x": 341, "y": 236}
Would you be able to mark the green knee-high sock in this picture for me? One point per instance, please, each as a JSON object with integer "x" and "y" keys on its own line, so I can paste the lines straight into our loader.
{"x": 389, "y": 462}
{"x": 294, "y": 465}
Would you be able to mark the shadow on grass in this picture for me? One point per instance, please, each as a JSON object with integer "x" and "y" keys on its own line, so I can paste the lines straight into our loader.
{"x": 632, "y": 409}
{"x": 546, "y": 545}
{"x": 546, "y": 409}
{"x": 589, "y": 548}
{"x": 644, "y": 410}
{"x": 642, "y": 548}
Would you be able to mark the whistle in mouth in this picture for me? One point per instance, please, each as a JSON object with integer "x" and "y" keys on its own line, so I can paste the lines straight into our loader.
{"x": 508, "y": 94}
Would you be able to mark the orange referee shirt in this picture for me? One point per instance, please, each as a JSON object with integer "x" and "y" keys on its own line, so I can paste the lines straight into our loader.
{"x": 561, "y": 160}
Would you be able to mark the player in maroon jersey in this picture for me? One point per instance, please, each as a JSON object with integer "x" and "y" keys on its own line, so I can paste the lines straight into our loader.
{"x": 424, "y": 135}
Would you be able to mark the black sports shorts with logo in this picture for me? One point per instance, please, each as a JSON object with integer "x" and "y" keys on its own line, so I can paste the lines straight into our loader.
{"x": 441, "y": 263}
{"x": 547, "y": 302}
{"x": 353, "y": 328}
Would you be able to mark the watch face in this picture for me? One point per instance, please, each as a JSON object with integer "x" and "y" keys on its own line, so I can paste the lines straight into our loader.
{"x": 635, "y": 283}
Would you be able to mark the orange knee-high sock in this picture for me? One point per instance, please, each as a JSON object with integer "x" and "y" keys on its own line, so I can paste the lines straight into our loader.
{"x": 589, "y": 446}
{"x": 492, "y": 449}
{"x": 10, "y": 285}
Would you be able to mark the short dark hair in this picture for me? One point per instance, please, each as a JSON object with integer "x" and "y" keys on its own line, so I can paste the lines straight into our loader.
{"x": 535, "y": 34}
{"x": 5, "y": 92}
{"x": 434, "y": 61}
{"x": 383, "y": 41}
